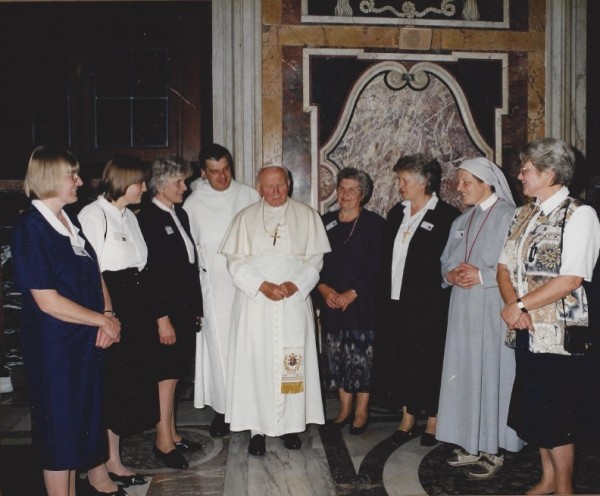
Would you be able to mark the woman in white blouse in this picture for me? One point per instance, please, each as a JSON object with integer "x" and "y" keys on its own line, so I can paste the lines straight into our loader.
{"x": 131, "y": 400}
{"x": 551, "y": 247}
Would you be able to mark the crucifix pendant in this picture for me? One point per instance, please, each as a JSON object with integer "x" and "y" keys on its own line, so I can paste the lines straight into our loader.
{"x": 274, "y": 235}
{"x": 405, "y": 235}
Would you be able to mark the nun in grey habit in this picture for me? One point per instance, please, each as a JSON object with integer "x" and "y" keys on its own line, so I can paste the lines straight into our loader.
{"x": 478, "y": 370}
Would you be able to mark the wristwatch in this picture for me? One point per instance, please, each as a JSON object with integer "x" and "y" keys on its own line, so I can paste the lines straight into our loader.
{"x": 521, "y": 305}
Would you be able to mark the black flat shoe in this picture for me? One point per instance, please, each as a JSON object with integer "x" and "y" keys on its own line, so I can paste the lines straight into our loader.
{"x": 399, "y": 437}
{"x": 172, "y": 459}
{"x": 94, "y": 492}
{"x": 218, "y": 427}
{"x": 357, "y": 431}
{"x": 332, "y": 424}
{"x": 291, "y": 441}
{"x": 428, "y": 439}
{"x": 128, "y": 480}
{"x": 187, "y": 446}
{"x": 257, "y": 445}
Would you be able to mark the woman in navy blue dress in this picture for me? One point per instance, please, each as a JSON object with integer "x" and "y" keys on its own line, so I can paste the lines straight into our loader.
{"x": 63, "y": 326}
{"x": 347, "y": 290}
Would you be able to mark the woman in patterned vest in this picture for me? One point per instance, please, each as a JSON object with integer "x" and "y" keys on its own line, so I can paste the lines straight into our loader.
{"x": 551, "y": 247}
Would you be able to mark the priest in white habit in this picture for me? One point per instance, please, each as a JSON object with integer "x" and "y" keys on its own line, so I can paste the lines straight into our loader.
{"x": 215, "y": 200}
{"x": 274, "y": 252}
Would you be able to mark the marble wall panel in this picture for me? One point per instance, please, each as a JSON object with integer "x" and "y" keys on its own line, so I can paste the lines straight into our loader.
{"x": 271, "y": 11}
{"x": 296, "y": 125}
{"x": 533, "y": 76}
{"x": 341, "y": 36}
{"x": 290, "y": 140}
{"x": 387, "y": 123}
{"x": 462, "y": 39}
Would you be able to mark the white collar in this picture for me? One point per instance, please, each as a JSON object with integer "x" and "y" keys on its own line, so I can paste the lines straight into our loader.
{"x": 554, "y": 201}
{"x": 58, "y": 226}
{"x": 53, "y": 219}
{"x": 430, "y": 205}
{"x": 268, "y": 207}
{"x": 488, "y": 202}
{"x": 109, "y": 205}
{"x": 162, "y": 206}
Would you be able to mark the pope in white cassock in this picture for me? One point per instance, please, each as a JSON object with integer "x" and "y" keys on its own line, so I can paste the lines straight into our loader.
{"x": 215, "y": 200}
{"x": 274, "y": 252}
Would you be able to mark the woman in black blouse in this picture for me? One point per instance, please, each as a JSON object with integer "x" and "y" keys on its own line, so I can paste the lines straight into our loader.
{"x": 173, "y": 285}
{"x": 347, "y": 290}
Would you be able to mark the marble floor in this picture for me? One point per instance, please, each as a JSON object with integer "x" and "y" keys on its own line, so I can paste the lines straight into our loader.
{"x": 329, "y": 463}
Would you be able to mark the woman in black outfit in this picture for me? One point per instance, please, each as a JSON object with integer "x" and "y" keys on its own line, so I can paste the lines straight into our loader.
{"x": 174, "y": 299}
{"x": 409, "y": 348}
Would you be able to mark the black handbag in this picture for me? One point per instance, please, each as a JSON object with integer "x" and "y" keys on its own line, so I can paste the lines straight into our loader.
{"x": 581, "y": 340}
{"x": 584, "y": 340}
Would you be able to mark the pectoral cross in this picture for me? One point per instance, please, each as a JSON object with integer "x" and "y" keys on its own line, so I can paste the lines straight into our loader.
{"x": 274, "y": 235}
{"x": 405, "y": 235}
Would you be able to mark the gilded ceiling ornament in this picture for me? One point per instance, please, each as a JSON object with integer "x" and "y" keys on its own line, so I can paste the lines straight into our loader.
{"x": 409, "y": 10}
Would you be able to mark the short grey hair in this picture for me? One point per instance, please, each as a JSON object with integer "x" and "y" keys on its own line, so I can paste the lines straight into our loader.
{"x": 426, "y": 169}
{"x": 362, "y": 178}
{"x": 164, "y": 168}
{"x": 551, "y": 154}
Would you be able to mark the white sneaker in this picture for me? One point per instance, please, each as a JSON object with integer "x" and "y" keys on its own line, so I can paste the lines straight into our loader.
{"x": 5, "y": 382}
{"x": 487, "y": 466}
{"x": 460, "y": 457}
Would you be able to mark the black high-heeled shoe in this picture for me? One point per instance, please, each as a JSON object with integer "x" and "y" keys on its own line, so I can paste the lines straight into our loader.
{"x": 332, "y": 424}
{"x": 128, "y": 480}
{"x": 172, "y": 459}
{"x": 357, "y": 431}
{"x": 94, "y": 492}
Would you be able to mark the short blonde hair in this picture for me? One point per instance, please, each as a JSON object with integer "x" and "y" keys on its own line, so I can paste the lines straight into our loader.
{"x": 46, "y": 171}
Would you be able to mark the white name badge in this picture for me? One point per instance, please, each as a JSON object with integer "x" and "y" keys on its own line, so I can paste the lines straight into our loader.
{"x": 169, "y": 229}
{"x": 427, "y": 226}
{"x": 459, "y": 234}
{"x": 331, "y": 225}
{"x": 80, "y": 252}
{"x": 119, "y": 237}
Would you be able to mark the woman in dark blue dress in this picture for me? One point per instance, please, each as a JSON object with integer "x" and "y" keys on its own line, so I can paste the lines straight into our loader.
{"x": 172, "y": 283}
{"x": 63, "y": 326}
{"x": 347, "y": 304}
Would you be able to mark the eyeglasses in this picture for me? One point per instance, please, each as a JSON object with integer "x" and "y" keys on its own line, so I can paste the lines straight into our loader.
{"x": 73, "y": 175}
{"x": 524, "y": 170}
{"x": 352, "y": 191}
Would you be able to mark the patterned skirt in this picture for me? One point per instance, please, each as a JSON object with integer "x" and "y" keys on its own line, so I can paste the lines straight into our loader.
{"x": 348, "y": 357}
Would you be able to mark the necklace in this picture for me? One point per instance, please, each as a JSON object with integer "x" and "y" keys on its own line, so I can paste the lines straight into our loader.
{"x": 274, "y": 233}
{"x": 468, "y": 255}
{"x": 406, "y": 233}
{"x": 353, "y": 226}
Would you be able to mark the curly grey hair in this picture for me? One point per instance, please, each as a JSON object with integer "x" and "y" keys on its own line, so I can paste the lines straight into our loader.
{"x": 551, "y": 154}
{"x": 362, "y": 178}
{"x": 164, "y": 168}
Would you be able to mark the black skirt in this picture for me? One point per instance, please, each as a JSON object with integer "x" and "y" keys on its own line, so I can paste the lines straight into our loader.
{"x": 555, "y": 398}
{"x": 131, "y": 399}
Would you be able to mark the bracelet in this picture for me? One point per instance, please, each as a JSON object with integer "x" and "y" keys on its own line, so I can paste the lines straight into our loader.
{"x": 112, "y": 314}
{"x": 521, "y": 305}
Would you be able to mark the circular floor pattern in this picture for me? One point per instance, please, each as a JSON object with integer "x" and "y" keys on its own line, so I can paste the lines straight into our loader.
{"x": 520, "y": 472}
{"x": 136, "y": 451}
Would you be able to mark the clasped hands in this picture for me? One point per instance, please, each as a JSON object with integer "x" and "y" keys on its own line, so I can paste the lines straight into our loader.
{"x": 109, "y": 333}
{"x": 335, "y": 300}
{"x": 277, "y": 292}
{"x": 464, "y": 276}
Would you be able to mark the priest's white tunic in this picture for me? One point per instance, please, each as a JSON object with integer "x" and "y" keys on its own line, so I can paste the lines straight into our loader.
{"x": 210, "y": 213}
{"x": 273, "y": 378}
